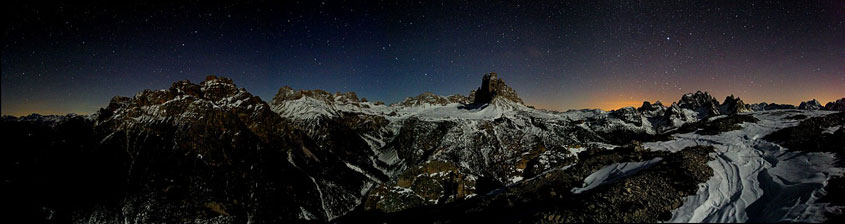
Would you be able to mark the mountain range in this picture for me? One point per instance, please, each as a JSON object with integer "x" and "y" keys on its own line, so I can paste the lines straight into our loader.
{"x": 211, "y": 152}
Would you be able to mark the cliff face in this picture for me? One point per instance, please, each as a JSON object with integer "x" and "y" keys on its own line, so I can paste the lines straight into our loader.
{"x": 733, "y": 105}
{"x": 491, "y": 88}
{"x": 700, "y": 102}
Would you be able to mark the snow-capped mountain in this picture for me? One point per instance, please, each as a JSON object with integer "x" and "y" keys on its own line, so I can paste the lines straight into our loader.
{"x": 214, "y": 153}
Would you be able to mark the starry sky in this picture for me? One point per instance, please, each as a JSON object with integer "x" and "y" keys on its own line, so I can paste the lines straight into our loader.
{"x": 72, "y": 58}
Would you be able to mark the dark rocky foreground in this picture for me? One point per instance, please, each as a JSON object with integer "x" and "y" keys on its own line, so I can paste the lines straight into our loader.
{"x": 648, "y": 195}
{"x": 811, "y": 136}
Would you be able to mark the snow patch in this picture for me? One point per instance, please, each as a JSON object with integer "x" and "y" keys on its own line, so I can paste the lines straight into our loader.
{"x": 612, "y": 173}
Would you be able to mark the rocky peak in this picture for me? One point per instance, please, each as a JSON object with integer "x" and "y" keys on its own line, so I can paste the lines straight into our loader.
{"x": 314, "y": 104}
{"x": 769, "y": 106}
{"x": 697, "y": 99}
{"x": 628, "y": 114}
{"x": 217, "y": 88}
{"x": 676, "y": 115}
{"x": 838, "y": 105}
{"x": 700, "y": 102}
{"x": 810, "y": 105}
{"x": 492, "y": 87}
{"x": 349, "y": 97}
{"x": 287, "y": 93}
{"x": 757, "y": 106}
{"x": 458, "y": 98}
{"x": 433, "y": 99}
{"x": 733, "y": 105}
{"x": 775, "y": 106}
{"x": 186, "y": 102}
{"x": 649, "y": 109}
{"x": 215, "y": 79}
{"x": 213, "y": 88}
{"x": 648, "y": 106}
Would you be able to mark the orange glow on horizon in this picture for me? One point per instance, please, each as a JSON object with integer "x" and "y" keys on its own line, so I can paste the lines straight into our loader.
{"x": 616, "y": 104}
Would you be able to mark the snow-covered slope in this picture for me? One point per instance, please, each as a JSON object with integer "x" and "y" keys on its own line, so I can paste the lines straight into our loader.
{"x": 613, "y": 172}
{"x": 755, "y": 180}
{"x": 476, "y": 137}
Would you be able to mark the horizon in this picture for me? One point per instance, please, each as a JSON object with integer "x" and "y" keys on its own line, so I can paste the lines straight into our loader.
{"x": 635, "y": 104}
{"x": 60, "y": 58}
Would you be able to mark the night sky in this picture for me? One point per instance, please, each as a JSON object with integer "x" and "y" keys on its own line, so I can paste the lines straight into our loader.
{"x": 73, "y": 58}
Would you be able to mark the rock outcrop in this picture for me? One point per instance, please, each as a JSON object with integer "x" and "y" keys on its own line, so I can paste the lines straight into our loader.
{"x": 810, "y": 105}
{"x": 837, "y": 105}
{"x": 628, "y": 114}
{"x": 733, "y": 105}
{"x": 287, "y": 93}
{"x": 757, "y": 106}
{"x": 700, "y": 102}
{"x": 432, "y": 99}
{"x": 648, "y": 106}
{"x": 491, "y": 88}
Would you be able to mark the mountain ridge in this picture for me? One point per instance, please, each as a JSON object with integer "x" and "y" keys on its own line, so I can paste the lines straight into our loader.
{"x": 213, "y": 152}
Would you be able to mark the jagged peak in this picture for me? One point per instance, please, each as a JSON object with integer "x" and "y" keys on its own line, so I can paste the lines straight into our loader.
{"x": 701, "y": 102}
{"x": 347, "y": 97}
{"x": 184, "y": 101}
{"x": 492, "y": 87}
{"x": 625, "y": 109}
{"x": 433, "y": 99}
{"x": 769, "y": 106}
{"x": 212, "y": 88}
{"x": 698, "y": 97}
{"x": 648, "y": 106}
{"x": 628, "y": 114}
{"x": 836, "y": 105}
{"x": 733, "y": 105}
{"x": 287, "y": 93}
{"x": 810, "y": 105}
{"x": 214, "y": 79}
{"x": 492, "y": 90}
{"x": 317, "y": 104}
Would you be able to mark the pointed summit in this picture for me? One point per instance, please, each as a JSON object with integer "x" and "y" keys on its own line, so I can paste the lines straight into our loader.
{"x": 491, "y": 88}
{"x": 733, "y": 105}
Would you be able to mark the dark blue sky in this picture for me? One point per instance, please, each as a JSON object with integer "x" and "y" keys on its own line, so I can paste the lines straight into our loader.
{"x": 63, "y": 58}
